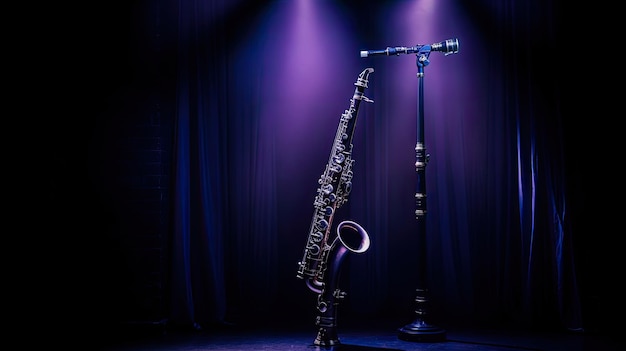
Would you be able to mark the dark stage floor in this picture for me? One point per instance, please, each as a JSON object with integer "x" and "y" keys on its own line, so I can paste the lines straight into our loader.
{"x": 371, "y": 338}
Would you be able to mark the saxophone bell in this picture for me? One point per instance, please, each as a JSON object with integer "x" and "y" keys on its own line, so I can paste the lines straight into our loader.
{"x": 351, "y": 237}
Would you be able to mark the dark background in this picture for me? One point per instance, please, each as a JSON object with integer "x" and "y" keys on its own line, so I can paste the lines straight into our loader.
{"x": 114, "y": 80}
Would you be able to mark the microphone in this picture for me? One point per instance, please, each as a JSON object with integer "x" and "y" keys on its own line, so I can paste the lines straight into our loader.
{"x": 449, "y": 46}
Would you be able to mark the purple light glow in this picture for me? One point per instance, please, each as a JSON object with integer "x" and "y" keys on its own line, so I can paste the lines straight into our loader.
{"x": 307, "y": 74}
{"x": 451, "y": 99}
{"x": 308, "y": 56}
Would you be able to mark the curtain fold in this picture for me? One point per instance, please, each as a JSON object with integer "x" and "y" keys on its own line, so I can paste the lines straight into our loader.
{"x": 250, "y": 143}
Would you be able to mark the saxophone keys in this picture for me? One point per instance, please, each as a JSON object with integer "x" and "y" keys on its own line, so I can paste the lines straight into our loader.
{"x": 339, "y": 294}
{"x": 322, "y": 224}
{"x": 339, "y": 158}
{"x": 329, "y": 210}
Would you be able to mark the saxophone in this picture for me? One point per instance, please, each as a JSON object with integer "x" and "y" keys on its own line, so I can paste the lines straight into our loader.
{"x": 325, "y": 249}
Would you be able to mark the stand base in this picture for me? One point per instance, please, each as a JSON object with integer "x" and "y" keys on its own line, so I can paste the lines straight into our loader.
{"x": 420, "y": 331}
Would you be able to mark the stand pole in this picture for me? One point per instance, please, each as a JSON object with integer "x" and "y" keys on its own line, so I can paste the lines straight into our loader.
{"x": 420, "y": 330}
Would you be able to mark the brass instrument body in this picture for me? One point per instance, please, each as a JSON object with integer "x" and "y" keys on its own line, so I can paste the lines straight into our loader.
{"x": 325, "y": 250}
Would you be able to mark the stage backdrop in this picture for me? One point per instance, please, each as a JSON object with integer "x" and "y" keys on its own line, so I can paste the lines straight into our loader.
{"x": 213, "y": 120}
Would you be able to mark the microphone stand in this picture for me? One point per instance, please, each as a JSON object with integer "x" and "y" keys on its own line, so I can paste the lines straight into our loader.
{"x": 420, "y": 330}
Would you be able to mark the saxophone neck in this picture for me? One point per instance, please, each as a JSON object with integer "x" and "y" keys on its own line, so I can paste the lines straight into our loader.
{"x": 364, "y": 78}
{"x": 361, "y": 84}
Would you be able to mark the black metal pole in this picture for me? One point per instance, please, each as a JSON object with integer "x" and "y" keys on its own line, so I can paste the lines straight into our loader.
{"x": 420, "y": 329}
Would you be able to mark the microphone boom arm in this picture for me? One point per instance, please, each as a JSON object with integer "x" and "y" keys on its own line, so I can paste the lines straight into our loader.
{"x": 449, "y": 46}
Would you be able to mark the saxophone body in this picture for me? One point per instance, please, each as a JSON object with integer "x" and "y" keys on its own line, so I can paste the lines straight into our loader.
{"x": 325, "y": 249}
